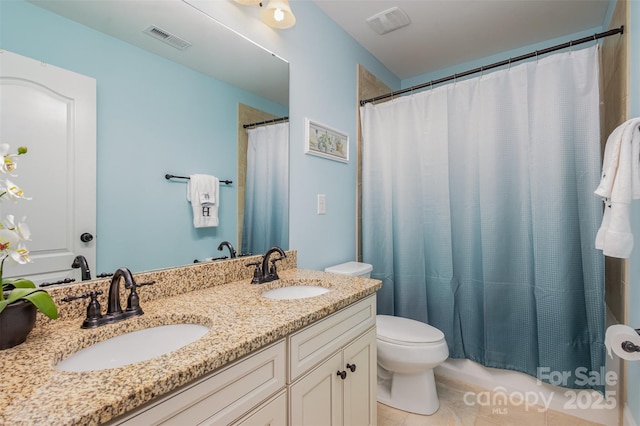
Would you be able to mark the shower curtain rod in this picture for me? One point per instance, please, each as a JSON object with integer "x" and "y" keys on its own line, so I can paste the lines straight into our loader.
{"x": 260, "y": 123}
{"x": 498, "y": 64}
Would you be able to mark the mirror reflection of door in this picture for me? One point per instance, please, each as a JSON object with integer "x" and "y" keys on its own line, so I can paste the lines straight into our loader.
{"x": 52, "y": 112}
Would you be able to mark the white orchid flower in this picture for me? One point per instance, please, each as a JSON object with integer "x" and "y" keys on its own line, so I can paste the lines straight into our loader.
{"x": 8, "y": 163}
{"x": 13, "y": 191}
{"x": 8, "y": 242}
{"x": 20, "y": 228}
{"x": 21, "y": 255}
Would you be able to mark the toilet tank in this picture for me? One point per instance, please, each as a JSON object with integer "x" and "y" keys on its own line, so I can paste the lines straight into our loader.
{"x": 357, "y": 269}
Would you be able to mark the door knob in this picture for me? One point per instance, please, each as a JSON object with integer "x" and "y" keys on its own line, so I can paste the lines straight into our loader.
{"x": 86, "y": 237}
{"x": 351, "y": 367}
{"x": 342, "y": 374}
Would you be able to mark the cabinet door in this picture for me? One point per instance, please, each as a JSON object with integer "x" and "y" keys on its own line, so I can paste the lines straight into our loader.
{"x": 360, "y": 385}
{"x": 316, "y": 399}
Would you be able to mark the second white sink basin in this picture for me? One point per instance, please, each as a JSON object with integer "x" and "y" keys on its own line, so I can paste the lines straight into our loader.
{"x": 295, "y": 292}
{"x": 133, "y": 347}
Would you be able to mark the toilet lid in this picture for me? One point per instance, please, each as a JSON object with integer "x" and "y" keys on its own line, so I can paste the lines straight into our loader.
{"x": 404, "y": 330}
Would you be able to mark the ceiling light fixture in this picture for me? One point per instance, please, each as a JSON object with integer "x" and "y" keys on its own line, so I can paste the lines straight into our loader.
{"x": 278, "y": 14}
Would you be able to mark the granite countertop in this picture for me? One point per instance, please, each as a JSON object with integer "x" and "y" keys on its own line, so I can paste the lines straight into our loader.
{"x": 240, "y": 321}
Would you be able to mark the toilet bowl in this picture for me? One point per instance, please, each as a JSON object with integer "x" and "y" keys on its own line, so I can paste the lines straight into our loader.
{"x": 408, "y": 350}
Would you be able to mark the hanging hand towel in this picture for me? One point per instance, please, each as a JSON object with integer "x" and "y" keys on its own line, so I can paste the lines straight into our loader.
{"x": 202, "y": 192}
{"x": 619, "y": 184}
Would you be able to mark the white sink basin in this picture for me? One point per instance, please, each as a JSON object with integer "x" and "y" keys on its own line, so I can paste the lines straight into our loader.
{"x": 133, "y": 347}
{"x": 295, "y": 292}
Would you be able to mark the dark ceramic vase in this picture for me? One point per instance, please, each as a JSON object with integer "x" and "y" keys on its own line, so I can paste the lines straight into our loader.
{"x": 16, "y": 322}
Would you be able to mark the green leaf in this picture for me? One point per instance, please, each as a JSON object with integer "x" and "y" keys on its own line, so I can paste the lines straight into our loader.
{"x": 19, "y": 283}
{"x": 44, "y": 303}
{"x": 40, "y": 299}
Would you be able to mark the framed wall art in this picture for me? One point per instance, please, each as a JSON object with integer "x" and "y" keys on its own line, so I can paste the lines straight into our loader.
{"x": 326, "y": 142}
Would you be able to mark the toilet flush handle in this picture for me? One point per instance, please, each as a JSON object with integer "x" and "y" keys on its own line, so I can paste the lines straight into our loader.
{"x": 351, "y": 367}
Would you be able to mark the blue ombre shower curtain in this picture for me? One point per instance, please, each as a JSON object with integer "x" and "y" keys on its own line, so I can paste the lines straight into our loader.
{"x": 479, "y": 215}
{"x": 266, "y": 205}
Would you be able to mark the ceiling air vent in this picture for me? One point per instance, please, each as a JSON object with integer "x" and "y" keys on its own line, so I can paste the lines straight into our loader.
{"x": 388, "y": 20}
{"x": 167, "y": 37}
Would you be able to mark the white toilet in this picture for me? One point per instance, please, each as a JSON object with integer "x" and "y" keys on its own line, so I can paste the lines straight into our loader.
{"x": 408, "y": 350}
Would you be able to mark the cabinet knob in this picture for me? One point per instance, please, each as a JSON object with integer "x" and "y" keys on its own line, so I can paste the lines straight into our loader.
{"x": 351, "y": 367}
{"x": 342, "y": 374}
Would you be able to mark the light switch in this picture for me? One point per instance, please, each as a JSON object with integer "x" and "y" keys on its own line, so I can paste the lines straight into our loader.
{"x": 322, "y": 203}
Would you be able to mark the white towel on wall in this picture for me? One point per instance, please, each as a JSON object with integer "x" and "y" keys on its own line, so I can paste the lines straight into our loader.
{"x": 619, "y": 184}
{"x": 202, "y": 192}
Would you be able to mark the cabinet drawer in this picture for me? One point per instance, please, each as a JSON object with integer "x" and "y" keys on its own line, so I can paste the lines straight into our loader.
{"x": 223, "y": 396}
{"x": 313, "y": 344}
{"x": 272, "y": 413}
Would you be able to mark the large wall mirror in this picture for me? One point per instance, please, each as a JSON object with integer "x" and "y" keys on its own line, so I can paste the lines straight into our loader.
{"x": 171, "y": 86}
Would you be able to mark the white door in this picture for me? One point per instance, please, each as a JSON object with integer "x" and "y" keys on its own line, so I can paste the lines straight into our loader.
{"x": 52, "y": 112}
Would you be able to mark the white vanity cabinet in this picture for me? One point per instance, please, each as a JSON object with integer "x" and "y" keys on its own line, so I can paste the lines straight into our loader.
{"x": 333, "y": 369}
{"x": 294, "y": 381}
{"x": 223, "y": 396}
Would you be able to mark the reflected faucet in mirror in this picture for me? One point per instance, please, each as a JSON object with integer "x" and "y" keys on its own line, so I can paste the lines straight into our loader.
{"x": 232, "y": 251}
{"x": 81, "y": 262}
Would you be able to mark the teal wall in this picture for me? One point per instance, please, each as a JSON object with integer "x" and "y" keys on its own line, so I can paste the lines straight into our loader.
{"x": 145, "y": 105}
{"x": 633, "y": 375}
{"x": 323, "y": 69}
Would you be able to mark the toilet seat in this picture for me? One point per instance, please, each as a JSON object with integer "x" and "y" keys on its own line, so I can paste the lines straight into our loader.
{"x": 406, "y": 331}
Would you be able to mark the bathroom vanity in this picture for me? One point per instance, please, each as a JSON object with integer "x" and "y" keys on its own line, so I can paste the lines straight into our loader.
{"x": 310, "y": 360}
{"x": 326, "y": 372}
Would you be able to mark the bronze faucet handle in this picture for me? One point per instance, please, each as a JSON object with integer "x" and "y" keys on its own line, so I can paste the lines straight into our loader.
{"x": 94, "y": 311}
{"x": 91, "y": 294}
{"x": 144, "y": 283}
{"x": 104, "y": 275}
{"x": 257, "y": 272}
{"x": 273, "y": 271}
{"x": 63, "y": 281}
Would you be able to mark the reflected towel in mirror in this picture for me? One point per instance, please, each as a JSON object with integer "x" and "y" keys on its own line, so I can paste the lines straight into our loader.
{"x": 202, "y": 192}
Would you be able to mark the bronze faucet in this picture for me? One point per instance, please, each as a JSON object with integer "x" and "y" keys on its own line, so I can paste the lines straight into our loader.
{"x": 232, "y": 251}
{"x": 114, "y": 309}
{"x": 264, "y": 274}
{"x": 81, "y": 262}
{"x": 271, "y": 274}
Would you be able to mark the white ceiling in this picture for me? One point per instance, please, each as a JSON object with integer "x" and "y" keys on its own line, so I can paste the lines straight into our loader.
{"x": 443, "y": 33}
{"x": 216, "y": 50}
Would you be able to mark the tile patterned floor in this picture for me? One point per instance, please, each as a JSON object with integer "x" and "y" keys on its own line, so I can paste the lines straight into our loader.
{"x": 454, "y": 412}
